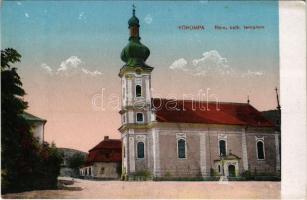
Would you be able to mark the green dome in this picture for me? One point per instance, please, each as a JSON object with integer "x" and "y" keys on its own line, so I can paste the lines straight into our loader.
{"x": 133, "y": 21}
{"x": 135, "y": 53}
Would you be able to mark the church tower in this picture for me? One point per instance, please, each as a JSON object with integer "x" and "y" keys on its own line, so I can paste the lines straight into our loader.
{"x": 136, "y": 100}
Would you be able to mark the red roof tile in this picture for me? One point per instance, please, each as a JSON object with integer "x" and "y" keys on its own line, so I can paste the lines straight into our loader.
{"x": 186, "y": 111}
{"x": 108, "y": 150}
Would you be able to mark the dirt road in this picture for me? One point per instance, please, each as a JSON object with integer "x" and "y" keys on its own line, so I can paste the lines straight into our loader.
{"x": 117, "y": 189}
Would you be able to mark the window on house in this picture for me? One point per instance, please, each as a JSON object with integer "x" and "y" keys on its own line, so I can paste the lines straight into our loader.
{"x": 219, "y": 168}
{"x": 102, "y": 170}
{"x": 107, "y": 155}
{"x": 138, "y": 91}
{"x": 139, "y": 117}
{"x": 222, "y": 145}
{"x": 181, "y": 148}
{"x": 260, "y": 150}
{"x": 140, "y": 149}
{"x": 90, "y": 171}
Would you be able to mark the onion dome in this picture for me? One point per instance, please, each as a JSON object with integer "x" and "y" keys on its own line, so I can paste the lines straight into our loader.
{"x": 135, "y": 53}
{"x": 133, "y": 21}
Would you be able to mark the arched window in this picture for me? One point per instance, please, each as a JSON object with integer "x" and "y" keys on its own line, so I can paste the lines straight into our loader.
{"x": 140, "y": 149}
{"x": 260, "y": 150}
{"x": 138, "y": 91}
{"x": 222, "y": 145}
{"x": 181, "y": 148}
{"x": 139, "y": 117}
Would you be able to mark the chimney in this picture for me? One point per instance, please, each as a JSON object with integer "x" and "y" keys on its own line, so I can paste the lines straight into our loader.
{"x": 106, "y": 137}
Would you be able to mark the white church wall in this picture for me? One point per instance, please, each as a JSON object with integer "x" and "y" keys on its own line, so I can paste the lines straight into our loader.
{"x": 131, "y": 152}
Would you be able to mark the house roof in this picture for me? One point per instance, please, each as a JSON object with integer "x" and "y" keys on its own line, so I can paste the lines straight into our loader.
{"x": 31, "y": 117}
{"x": 225, "y": 113}
{"x": 108, "y": 150}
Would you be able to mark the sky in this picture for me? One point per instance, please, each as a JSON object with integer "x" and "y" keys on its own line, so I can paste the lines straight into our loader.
{"x": 71, "y": 57}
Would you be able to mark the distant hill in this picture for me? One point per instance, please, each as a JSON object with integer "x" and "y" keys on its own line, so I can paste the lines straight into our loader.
{"x": 68, "y": 153}
{"x": 273, "y": 116}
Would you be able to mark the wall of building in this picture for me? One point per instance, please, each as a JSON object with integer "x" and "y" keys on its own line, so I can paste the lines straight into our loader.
{"x": 202, "y": 150}
{"x": 38, "y": 131}
{"x": 170, "y": 164}
{"x": 101, "y": 170}
{"x": 268, "y": 164}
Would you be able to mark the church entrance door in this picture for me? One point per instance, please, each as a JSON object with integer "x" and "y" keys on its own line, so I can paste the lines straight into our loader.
{"x": 232, "y": 170}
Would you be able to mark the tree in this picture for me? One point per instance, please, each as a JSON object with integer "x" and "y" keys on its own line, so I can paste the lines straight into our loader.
{"x": 25, "y": 164}
{"x": 75, "y": 162}
{"x": 15, "y": 130}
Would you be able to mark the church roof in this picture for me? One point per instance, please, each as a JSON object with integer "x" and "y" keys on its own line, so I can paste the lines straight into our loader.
{"x": 108, "y": 150}
{"x": 224, "y": 113}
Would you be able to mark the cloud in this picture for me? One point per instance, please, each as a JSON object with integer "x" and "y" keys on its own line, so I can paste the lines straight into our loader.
{"x": 47, "y": 68}
{"x": 210, "y": 62}
{"x": 250, "y": 73}
{"x": 148, "y": 19}
{"x": 179, "y": 64}
{"x": 71, "y": 63}
{"x": 27, "y": 15}
{"x": 71, "y": 66}
{"x": 93, "y": 73}
{"x": 19, "y": 3}
{"x": 82, "y": 16}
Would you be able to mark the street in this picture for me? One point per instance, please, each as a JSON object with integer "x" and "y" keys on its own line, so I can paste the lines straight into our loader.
{"x": 90, "y": 189}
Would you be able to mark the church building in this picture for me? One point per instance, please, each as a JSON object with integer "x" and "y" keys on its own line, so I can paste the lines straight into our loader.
{"x": 186, "y": 138}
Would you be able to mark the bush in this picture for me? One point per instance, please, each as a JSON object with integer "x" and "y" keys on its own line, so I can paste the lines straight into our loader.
{"x": 141, "y": 175}
{"x": 167, "y": 174}
{"x": 210, "y": 178}
{"x": 247, "y": 175}
{"x": 75, "y": 162}
{"x": 267, "y": 178}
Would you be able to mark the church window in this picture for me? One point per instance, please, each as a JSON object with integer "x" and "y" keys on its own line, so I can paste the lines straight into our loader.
{"x": 124, "y": 151}
{"x": 181, "y": 148}
{"x": 138, "y": 91}
{"x": 139, "y": 117}
{"x": 260, "y": 150}
{"x": 140, "y": 149}
{"x": 222, "y": 146}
